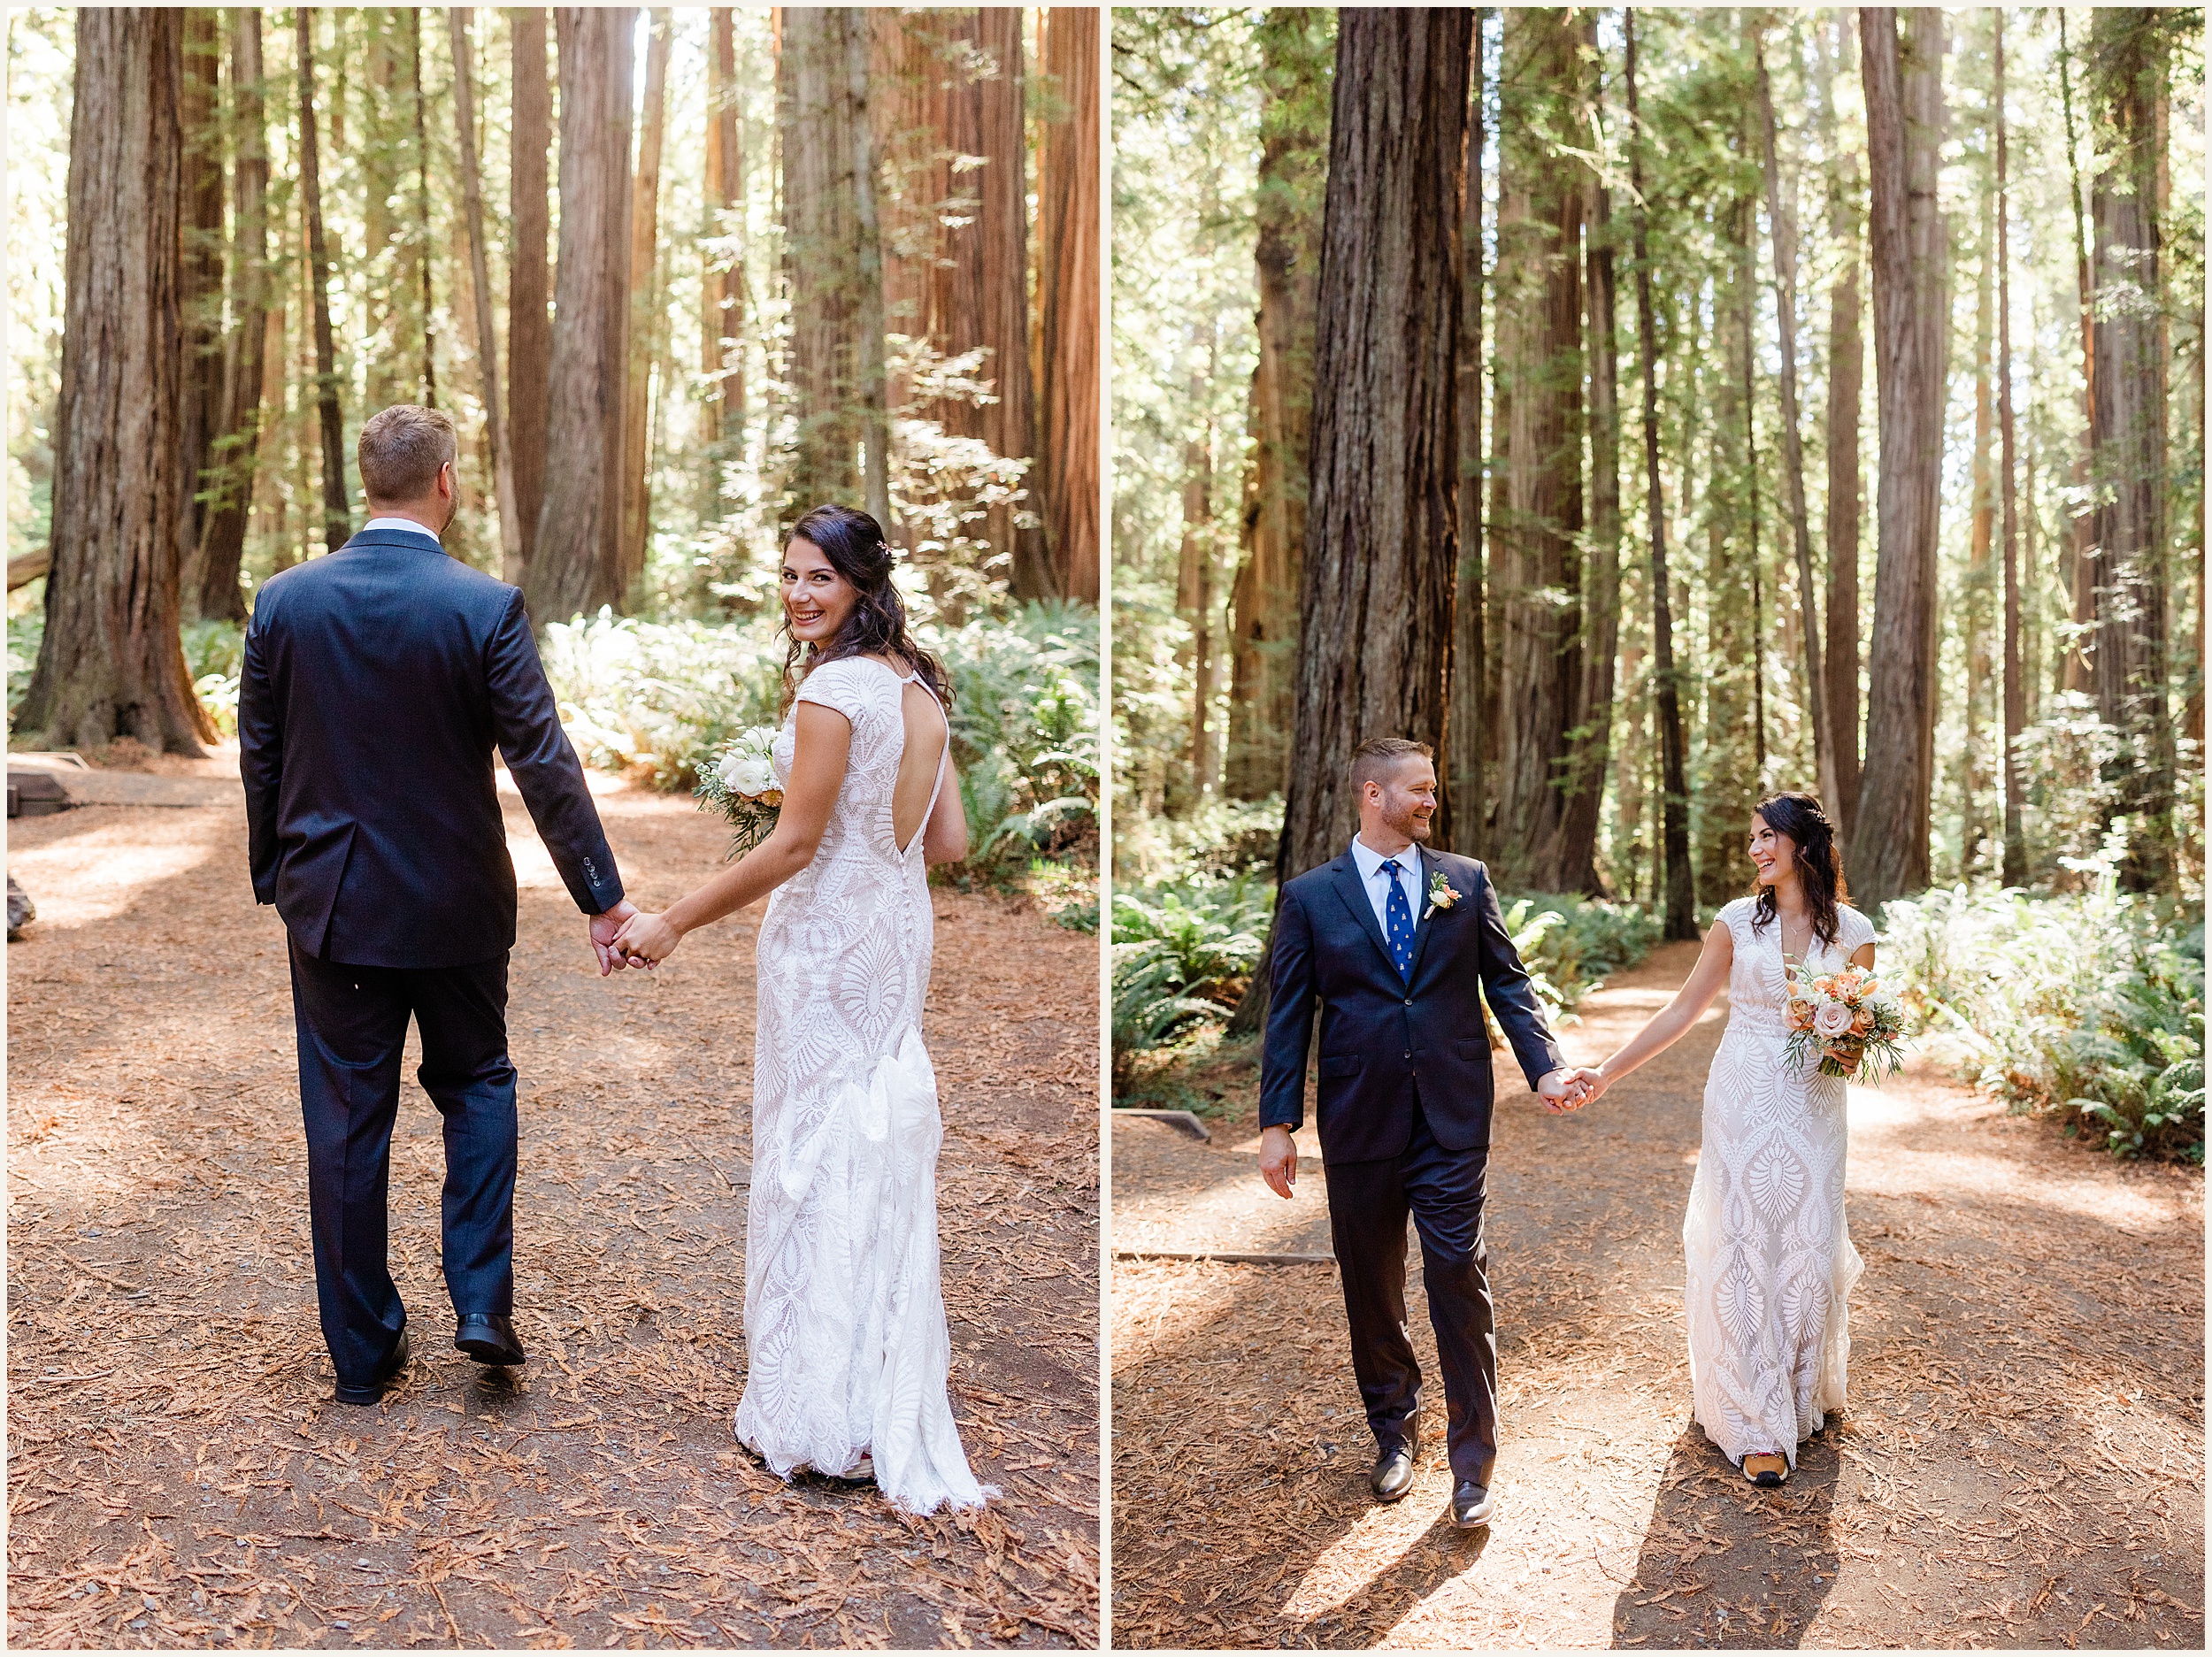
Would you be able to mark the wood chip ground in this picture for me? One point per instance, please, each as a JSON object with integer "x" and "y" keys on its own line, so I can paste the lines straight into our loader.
{"x": 2021, "y": 1463}
{"x": 178, "y": 1475}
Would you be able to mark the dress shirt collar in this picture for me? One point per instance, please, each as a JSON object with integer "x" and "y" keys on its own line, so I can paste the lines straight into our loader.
{"x": 1370, "y": 860}
{"x": 407, "y": 525}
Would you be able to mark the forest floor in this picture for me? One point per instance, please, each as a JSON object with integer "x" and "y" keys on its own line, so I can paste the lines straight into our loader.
{"x": 178, "y": 1472}
{"x": 2021, "y": 1463}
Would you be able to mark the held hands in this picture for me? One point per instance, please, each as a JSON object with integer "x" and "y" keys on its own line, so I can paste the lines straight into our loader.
{"x": 1565, "y": 1090}
{"x": 647, "y": 940}
{"x": 604, "y": 929}
{"x": 1278, "y": 1160}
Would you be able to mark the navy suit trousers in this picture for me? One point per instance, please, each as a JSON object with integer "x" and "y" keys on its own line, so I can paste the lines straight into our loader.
{"x": 1368, "y": 1203}
{"x": 352, "y": 1023}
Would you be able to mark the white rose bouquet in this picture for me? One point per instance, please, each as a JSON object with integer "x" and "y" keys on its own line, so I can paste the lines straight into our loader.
{"x": 740, "y": 782}
{"x": 1849, "y": 1019}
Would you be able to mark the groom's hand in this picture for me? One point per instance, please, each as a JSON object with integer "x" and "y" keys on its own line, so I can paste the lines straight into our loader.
{"x": 1278, "y": 1160}
{"x": 1562, "y": 1091}
{"x": 604, "y": 929}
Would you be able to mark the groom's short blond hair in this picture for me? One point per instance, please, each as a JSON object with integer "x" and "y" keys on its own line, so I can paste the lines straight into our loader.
{"x": 401, "y": 450}
{"x": 1379, "y": 757}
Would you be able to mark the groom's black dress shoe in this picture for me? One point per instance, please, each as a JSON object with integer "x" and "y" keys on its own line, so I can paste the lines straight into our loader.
{"x": 373, "y": 1392}
{"x": 1392, "y": 1475}
{"x": 1472, "y": 1504}
{"x": 489, "y": 1339}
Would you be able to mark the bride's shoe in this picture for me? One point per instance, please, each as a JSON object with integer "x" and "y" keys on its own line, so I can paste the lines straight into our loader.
{"x": 1767, "y": 1472}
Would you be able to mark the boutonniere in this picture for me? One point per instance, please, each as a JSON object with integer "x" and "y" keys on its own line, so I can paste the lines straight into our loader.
{"x": 1441, "y": 894}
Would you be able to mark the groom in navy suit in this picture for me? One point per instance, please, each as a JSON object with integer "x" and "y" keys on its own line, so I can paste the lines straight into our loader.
{"x": 1397, "y": 947}
{"x": 378, "y": 680}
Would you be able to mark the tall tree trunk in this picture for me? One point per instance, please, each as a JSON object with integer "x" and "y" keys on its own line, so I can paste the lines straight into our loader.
{"x": 1067, "y": 214}
{"x": 1847, "y": 366}
{"x": 337, "y": 508}
{"x": 1904, "y": 103}
{"x": 2129, "y": 648}
{"x": 645, "y": 325}
{"x": 1981, "y": 533}
{"x": 1733, "y": 697}
{"x": 201, "y": 300}
{"x": 832, "y": 259}
{"x": 1294, "y": 45}
{"x": 386, "y": 260}
{"x": 575, "y": 560}
{"x": 2084, "y": 525}
{"x": 722, "y": 309}
{"x": 1535, "y": 566}
{"x": 1194, "y": 595}
{"x": 1592, "y": 749}
{"x": 1469, "y": 723}
{"x": 223, "y": 532}
{"x": 1674, "y": 838}
{"x": 2015, "y": 867}
{"x": 998, "y": 286}
{"x": 1382, "y": 536}
{"x": 422, "y": 209}
{"x": 1782, "y": 228}
{"x": 111, "y": 664}
{"x": 529, "y": 329}
{"x": 480, "y": 287}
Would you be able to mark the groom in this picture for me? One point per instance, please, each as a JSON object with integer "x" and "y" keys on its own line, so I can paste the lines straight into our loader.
{"x": 1392, "y": 943}
{"x": 377, "y": 682}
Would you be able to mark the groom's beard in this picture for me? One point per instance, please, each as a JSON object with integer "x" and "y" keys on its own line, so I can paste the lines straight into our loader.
{"x": 1413, "y": 828}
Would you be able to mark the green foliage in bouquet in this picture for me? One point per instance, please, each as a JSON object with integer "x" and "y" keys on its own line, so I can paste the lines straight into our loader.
{"x": 2087, "y": 1004}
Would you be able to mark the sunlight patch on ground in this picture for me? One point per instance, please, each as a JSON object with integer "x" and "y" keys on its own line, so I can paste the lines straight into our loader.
{"x": 98, "y": 875}
{"x": 1355, "y": 1561}
{"x": 533, "y": 864}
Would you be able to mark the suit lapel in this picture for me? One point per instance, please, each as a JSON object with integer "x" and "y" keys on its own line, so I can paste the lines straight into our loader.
{"x": 1353, "y": 892}
{"x": 1421, "y": 928}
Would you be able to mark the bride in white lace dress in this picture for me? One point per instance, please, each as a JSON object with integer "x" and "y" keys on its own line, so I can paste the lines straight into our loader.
{"x": 847, "y": 1351}
{"x": 1768, "y": 1262}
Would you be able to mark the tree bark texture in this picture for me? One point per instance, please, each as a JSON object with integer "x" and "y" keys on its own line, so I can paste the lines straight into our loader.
{"x": 645, "y": 311}
{"x": 575, "y": 561}
{"x": 222, "y": 543}
{"x": 529, "y": 328}
{"x": 1846, "y": 367}
{"x": 337, "y": 505}
{"x": 420, "y": 239}
{"x": 480, "y": 286}
{"x": 110, "y": 663}
{"x": 1068, "y": 221}
{"x": 1535, "y": 577}
{"x": 1680, "y": 879}
{"x": 2129, "y": 645}
{"x": 1904, "y": 100}
{"x": 201, "y": 301}
{"x": 2083, "y": 523}
{"x": 1295, "y": 44}
{"x": 2015, "y": 867}
{"x": 1469, "y": 726}
{"x": 722, "y": 316}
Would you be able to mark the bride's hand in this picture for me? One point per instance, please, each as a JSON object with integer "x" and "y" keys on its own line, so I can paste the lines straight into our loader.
{"x": 647, "y": 940}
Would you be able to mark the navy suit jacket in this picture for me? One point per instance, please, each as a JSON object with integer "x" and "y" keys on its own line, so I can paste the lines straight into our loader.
{"x": 1389, "y": 1041}
{"x": 377, "y": 682}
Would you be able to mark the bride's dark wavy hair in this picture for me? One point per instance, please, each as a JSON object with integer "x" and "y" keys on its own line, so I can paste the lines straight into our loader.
{"x": 1798, "y": 818}
{"x": 857, "y": 549}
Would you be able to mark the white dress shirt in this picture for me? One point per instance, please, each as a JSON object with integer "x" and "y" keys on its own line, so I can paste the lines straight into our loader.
{"x": 1377, "y": 886}
{"x": 407, "y": 524}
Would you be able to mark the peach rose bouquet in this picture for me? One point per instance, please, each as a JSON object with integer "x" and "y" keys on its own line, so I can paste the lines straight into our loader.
{"x": 1849, "y": 1019}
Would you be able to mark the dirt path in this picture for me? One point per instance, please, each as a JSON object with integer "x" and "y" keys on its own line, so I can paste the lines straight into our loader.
{"x": 2021, "y": 1463}
{"x": 178, "y": 1473}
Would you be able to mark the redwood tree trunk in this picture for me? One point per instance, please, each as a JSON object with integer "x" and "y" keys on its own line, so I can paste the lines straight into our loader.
{"x": 644, "y": 308}
{"x": 1535, "y": 582}
{"x": 1382, "y": 532}
{"x": 1068, "y": 216}
{"x": 479, "y": 284}
{"x": 1000, "y": 290}
{"x": 1904, "y": 102}
{"x": 201, "y": 300}
{"x": 722, "y": 315}
{"x": 529, "y": 329}
{"x": 223, "y": 531}
{"x": 575, "y": 561}
{"x": 2015, "y": 869}
{"x": 1846, "y": 366}
{"x": 1293, "y": 44}
{"x": 1469, "y": 723}
{"x": 110, "y": 663}
{"x": 337, "y": 507}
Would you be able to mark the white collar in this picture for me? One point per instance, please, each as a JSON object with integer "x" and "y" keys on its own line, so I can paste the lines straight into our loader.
{"x": 1370, "y": 861}
{"x": 406, "y": 523}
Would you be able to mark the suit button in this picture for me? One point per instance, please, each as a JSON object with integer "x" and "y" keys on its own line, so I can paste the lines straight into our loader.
{"x": 1405, "y": 1056}
{"x": 1408, "y": 1001}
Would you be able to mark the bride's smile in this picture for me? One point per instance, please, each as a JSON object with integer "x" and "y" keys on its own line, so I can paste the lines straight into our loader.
{"x": 816, "y": 598}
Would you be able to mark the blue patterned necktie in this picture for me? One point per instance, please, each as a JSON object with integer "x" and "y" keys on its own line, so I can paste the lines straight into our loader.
{"x": 1398, "y": 921}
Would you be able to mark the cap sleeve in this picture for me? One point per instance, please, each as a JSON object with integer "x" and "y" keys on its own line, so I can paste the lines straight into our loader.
{"x": 838, "y": 684}
{"x": 1853, "y": 930}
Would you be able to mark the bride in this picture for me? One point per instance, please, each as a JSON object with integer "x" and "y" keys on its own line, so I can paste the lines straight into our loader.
{"x": 847, "y": 1346}
{"x": 1769, "y": 1265}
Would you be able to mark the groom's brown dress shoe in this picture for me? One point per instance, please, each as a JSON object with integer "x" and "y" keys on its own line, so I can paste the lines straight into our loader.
{"x": 1473, "y": 1504}
{"x": 489, "y": 1339}
{"x": 1392, "y": 1475}
{"x": 373, "y": 1392}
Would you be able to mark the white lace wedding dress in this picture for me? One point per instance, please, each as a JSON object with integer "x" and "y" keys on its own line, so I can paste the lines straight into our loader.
{"x": 847, "y": 1349}
{"x": 1769, "y": 1265}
